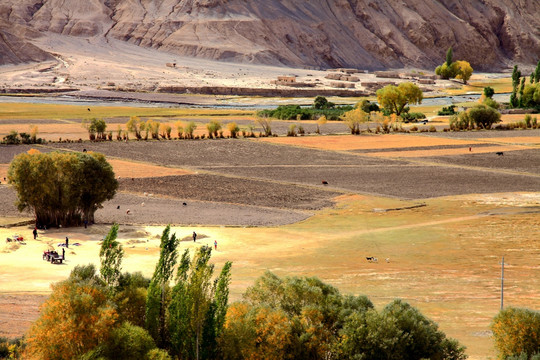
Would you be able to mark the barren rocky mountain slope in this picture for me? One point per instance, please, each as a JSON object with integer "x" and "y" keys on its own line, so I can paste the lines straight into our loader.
{"x": 365, "y": 34}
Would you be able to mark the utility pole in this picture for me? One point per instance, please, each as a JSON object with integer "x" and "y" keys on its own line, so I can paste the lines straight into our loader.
{"x": 502, "y": 283}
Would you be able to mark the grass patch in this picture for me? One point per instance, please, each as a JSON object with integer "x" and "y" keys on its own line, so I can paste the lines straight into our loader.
{"x": 503, "y": 85}
{"x": 54, "y": 111}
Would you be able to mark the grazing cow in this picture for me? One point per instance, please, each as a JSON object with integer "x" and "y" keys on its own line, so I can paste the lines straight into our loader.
{"x": 128, "y": 212}
{"x": 500, "y": 153}
{"x": 185, "y": 204}
{"x": 324, "y": 182}
{"x": 118, "y": 207}
{"x": 371, "y": 259}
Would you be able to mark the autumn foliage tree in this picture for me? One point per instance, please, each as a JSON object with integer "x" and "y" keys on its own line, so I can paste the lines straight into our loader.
{"x": 464, "y": 70}
{"x": 394, "y": 99}
{"x": 516, "y": 331}
{"x": 454, "y": 69}
{"x": 354, "y": 118}
{"x": 61, "y": 188}
{"x": 75, "y": 319}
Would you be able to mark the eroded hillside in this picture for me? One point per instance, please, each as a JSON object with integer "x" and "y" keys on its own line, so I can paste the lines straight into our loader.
{"x": 364, "y": 34}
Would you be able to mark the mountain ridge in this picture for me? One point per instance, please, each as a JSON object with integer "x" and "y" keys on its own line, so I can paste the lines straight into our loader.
{"x": 364, "y": 34}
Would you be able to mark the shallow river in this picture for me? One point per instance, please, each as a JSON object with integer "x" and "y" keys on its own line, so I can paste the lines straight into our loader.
{"x": 241, "y": 104}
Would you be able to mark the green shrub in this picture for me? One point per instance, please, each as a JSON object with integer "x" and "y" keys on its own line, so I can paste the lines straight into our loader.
{"x": 450, "y": 110}
{"x": 412, "y": 116}
{"x": 12, "y": 138}
{"x": 491, "y": 103}
{"x": 296, "y": 112}
{"x": 130, "y": 342}
{"x": 460, "y": 122}
{"x": 158, "y": 354}
{"x": 489, "y": 92}
{"x": 483, "y": 117}
{"x": 322, "y": 103}
{"x": 368, "y": 106}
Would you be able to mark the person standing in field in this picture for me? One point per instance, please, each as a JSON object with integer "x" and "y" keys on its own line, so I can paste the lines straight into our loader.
{"x": 215, "y": 244}
{"x": 194, "y": 236}
{"x": 67, "y": 242}
{"x": 35, "y": 233}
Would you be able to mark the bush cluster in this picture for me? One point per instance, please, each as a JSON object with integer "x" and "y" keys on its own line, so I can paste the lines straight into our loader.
{"x": 478, "y": 117}
{"x": 450, "y": 110}
{"x": 14, "y": 137}
{"x": 296, "y": 112}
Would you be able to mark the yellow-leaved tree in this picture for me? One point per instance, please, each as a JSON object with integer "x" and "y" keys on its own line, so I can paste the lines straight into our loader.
{"x": 394, "y": 99}
{"x": 74, "y": 320}
{"x": 354, "y": 118}
{"x": 464, "y": 70}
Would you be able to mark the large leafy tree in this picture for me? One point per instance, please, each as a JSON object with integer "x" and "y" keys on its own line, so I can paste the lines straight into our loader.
{"x": 483, "y": 116}
{"x": 400, "y": 331}
{"x": 62, "y": 188}
{"x": 395, "y": 98}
